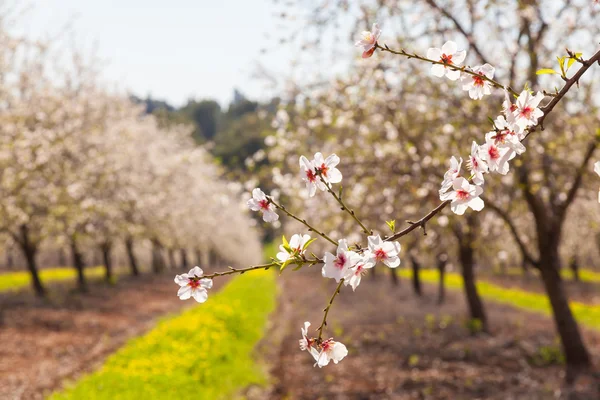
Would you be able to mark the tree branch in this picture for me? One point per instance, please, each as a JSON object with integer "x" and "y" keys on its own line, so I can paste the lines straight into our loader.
{"x": 513, "y": 230}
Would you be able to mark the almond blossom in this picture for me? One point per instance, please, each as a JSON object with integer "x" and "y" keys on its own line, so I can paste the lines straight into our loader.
{"x": 327, "y": 168}
{"x": 306, "y": 343}
{"x": 476, "y": 165}
{"x": 451, "y": 174}
{"x": 337, "y": 266}
{"x": 464, "y": 196}
{"x": 355, "y": 273}
{"x": 505, "y": 137}
{"x": 330, "y": 351}
{"x": 368, "y": 41}
{"x": 192, "y": 285}
{"x": 296, "y": 247}
{"x": 259, "y": 202}
{"x": 309, "y": 175}
{"x": 477, "y": 85}
{"x": 385, "y": 252}
{"x": 526, "y": 111}
{"x": 448, "y": 55}
{"x": 496, "y": 157}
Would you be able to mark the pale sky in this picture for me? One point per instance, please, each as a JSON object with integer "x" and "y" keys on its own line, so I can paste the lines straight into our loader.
{"x": 173, "y": 49}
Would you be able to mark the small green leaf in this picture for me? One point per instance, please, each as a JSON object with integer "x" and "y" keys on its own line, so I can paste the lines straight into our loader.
{"x": 544, "y": 71}
{"x": 308, "y": 243}
{"x": 284, "y": 241}
{"x": 285, "y": 264}
{"x": 340, "y": 192}
{"x": 392, "y": 225}
{"x": 561, "y": 63}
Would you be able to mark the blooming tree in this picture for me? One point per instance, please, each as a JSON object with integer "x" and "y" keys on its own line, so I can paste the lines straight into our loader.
{"x": 518, "y": 119}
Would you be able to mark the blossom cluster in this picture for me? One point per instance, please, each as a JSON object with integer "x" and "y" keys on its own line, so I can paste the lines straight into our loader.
{"x": 346, "y": 266}
{"x": 502, "y": 143}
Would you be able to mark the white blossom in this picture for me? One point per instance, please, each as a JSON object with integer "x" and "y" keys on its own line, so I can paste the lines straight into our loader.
{"x": 476, "y": 165}
{"x": 192, "y": 285}
{"x": 259, "y": 202}
{"x": 385, "y": 252}
{"x": 355, "y": 273}
{"x": 476, "y": 84}
{"x": 336, "y": 266}
{"x": 464, "y": 196}
{"x": 368, "y": 41}
{"x": 451, "y": 174}
{"x": 448, "y": 55}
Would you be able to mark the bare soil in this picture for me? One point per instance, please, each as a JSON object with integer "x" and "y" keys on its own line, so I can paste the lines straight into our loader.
{"x": 44, "y": 343}
{"x": 404, "y": 347}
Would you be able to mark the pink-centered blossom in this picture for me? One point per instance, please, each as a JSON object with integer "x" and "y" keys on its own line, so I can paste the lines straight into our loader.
{"x": 330, "y": 350}
{"x": 368, "y": 41}
{"x": 309, "y": 175}
{"x": 259, "y": 202}
{"x": 354, "y": 274}
{"x": 449, "y": 56}
{"x": 451, "y": 174}
{"x": 193, "y": 285}
{"x": 477, "y": 85}
{"x": 464, "y": 196}
{"x": 385, "y": 252}
{"x": 296, "y": 245}
{"x": 495, "y": 156}
{"x": 306, "y": 343}
{"x": 327, "y": 168}
{"x": 476, "y": 165}
{"x": 526, "y": 112}
{"x": 336, "y": 266}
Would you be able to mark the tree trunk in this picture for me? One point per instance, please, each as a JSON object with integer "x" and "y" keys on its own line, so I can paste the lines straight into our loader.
{"x": 575, "y": 268}
{"x": 393, "y": 276}
{"x": 416, "y": 278}
{"x": 198, "y": 258}
{"x": 171, "y": 255}
{"x": 78, "y": 263}
{"x": 62, "y": 258}
{"x": 131, "y": 256}
{"x": 30, "y": 252}
{"x": 106, "y": 258}
{"x": 184, "y": 259}
{"x": 441, "y": 266}
{"x": 9, "y": 259}
{"x": 158, "y": 263}
{"x": 476, "y": 308}
{"x": 576, "y": 354}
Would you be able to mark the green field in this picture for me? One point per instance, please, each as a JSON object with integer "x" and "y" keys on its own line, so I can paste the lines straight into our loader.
{"x": 11, "y": 281}
{"x": 203, "y": 353}
{"x": 586, "y": 314}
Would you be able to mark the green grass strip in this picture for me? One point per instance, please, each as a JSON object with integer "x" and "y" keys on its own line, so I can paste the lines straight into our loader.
{"x": 586, "y": 314}
{"x": 203, "y": 353}
{"x": 12, "y": 281}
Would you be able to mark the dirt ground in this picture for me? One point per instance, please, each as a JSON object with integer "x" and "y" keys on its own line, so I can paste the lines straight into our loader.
{"x": 44, "y": 343}
{"x": 403, "y": 347}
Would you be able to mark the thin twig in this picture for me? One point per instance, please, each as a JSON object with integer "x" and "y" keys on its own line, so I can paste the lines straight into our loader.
{"x": 326, "y": 310}
{"x": 464, "y": 69}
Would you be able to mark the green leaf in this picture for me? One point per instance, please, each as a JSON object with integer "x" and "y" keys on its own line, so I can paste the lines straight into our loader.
{"x": 285, "y": 264}
{"x": 340, "y": 192}
{"x": 284, "y": 241}
{"x": 561, "y": 63}
{"x": 308, "y": 243}
{"x": 392, "y": 225}
{"x": 544, "y": 71}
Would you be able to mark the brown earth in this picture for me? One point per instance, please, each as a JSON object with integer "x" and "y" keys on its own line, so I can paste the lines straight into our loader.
{"x": 45, "y": 342}
{"x": 403, "y": 347}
